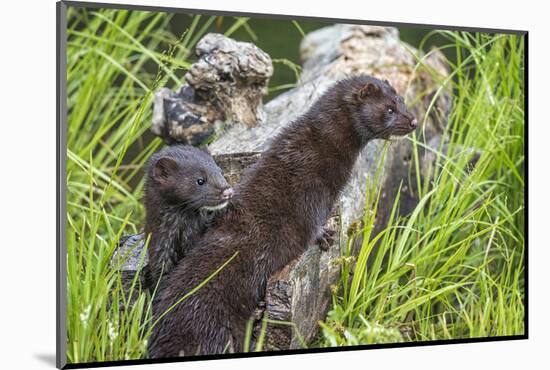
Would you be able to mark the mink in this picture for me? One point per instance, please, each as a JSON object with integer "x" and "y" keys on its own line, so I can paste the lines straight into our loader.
{"x": 185, "y": 191}
{"x": 278, "y": 209}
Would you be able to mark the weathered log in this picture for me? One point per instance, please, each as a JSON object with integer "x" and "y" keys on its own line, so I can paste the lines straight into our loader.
{"x": 300, "y": 293}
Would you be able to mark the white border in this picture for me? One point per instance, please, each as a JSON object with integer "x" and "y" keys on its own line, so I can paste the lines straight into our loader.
{"x": 27, "y": 182}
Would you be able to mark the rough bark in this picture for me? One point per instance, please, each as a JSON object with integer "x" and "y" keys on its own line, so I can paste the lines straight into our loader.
{"x": 225, "y": 85}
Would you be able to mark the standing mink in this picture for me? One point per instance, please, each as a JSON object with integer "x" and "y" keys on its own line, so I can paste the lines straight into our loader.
{"x": 278, "y": 209}
{"x": 184, "y": 189}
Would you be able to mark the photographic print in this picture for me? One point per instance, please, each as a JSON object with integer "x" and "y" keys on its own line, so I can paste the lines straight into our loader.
{"x": 254, "y": 184}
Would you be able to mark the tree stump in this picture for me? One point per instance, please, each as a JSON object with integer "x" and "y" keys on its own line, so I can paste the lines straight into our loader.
{"x": 220, "y": 89}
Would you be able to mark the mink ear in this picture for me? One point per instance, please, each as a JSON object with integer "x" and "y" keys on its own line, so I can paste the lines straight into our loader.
{"x": 390, "y": 86}
{"x": 369, "y": 89}
{"x": 164, "y": 168}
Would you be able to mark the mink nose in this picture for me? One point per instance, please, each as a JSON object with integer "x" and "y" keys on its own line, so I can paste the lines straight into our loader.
{"x": 227, "y": 193}
{"x": 413, "y": 123}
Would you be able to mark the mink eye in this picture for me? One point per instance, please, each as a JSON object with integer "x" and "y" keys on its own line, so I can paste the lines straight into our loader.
{"x": 391, "y": 111}
{"x": 201, "y": 181}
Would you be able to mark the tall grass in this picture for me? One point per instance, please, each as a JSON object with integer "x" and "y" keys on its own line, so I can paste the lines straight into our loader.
{"x": 115, "y": 60}
{"x": 454, "y": 267}
{"x": 451, "y": 269}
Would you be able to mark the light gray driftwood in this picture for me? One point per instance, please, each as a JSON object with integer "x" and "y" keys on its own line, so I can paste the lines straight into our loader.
{"x": 300, "y": 293}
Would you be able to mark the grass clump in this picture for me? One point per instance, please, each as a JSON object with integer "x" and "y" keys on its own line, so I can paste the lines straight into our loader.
{"x": 454, "y": 267}
{"x": 113, "y": 67}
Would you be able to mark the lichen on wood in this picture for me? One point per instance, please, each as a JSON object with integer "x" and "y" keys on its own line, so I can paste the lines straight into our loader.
{"x": 226, "y": 84}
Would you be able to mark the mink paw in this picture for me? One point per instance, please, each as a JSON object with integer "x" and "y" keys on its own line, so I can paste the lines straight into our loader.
{"x": 326, "y": 239}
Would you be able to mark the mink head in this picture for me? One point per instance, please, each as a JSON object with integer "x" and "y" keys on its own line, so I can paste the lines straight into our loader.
{"x": 187, "y": 177}
{"x": 378, "y": 111}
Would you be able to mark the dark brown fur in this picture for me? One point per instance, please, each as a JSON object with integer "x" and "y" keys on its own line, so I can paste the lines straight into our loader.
{"x": 178, "y": 208}
{"x": 278, "y": 209}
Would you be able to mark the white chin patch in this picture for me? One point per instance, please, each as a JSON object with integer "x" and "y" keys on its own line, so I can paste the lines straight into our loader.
{"x": 215, "y": 208}
{"x": 396, "y": 137}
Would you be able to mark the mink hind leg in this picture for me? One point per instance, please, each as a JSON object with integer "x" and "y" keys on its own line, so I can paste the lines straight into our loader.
{"x": 213, "y": 339}
{"x": 166, "y": 346}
